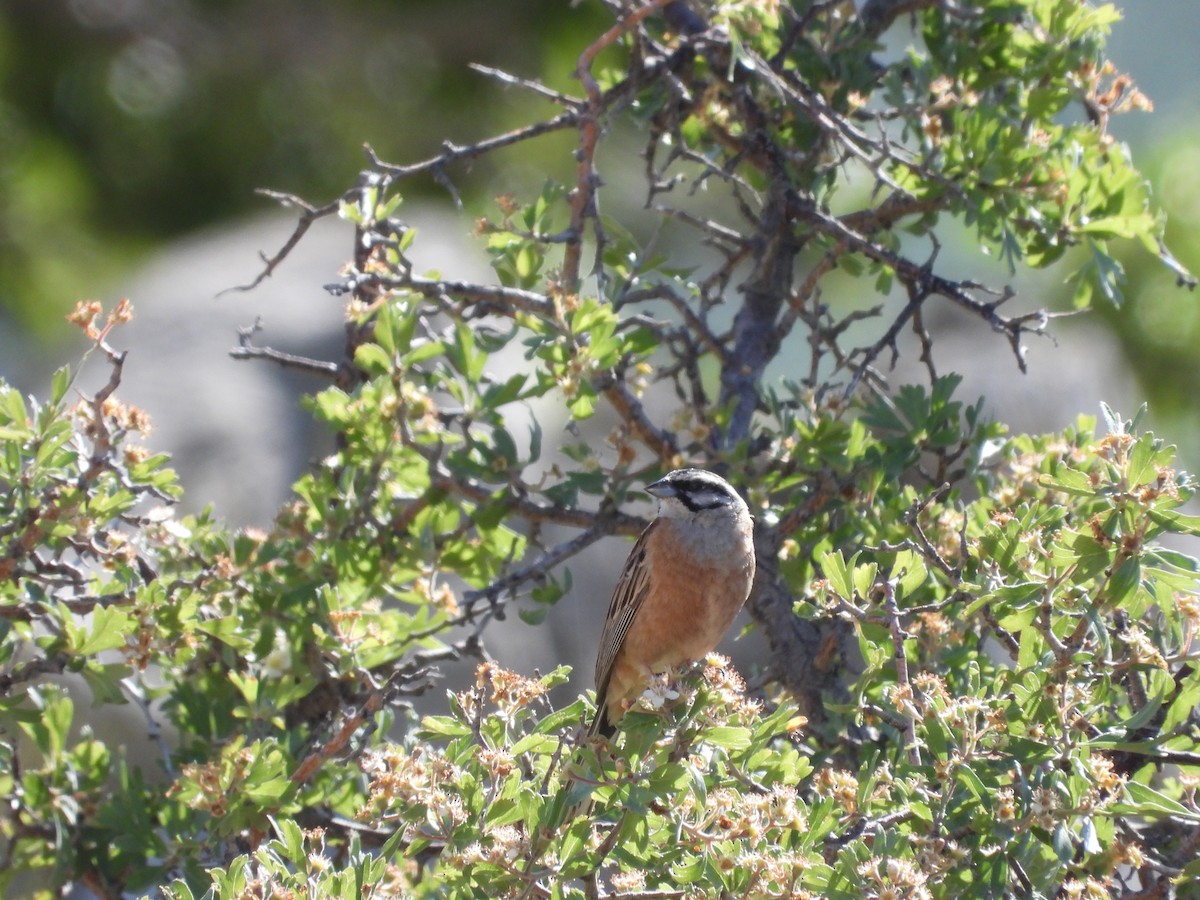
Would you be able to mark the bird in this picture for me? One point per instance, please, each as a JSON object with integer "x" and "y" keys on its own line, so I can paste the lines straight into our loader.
{"x": 685, "y": 581}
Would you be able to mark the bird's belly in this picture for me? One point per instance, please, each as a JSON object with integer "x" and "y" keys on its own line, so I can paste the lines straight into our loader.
{"x": 685, "y": 614}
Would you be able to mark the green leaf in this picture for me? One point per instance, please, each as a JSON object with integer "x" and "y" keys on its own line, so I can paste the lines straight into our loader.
{"x": 1070, "y": 481}
{"x": 572, "y": 844}
{"x": 331, "y": 404}
{"x": 582, "y": 405}
{"x": 535, "y": 441}
{"x": 465, "y": 355}
{"x": 227, "y": 630}
{"x": 104, "y": 681}
{"x": 728, "y": 736}
{"x": 445, "y": 726}
{"x": 390, "y": 845}
{"x": 60, "y": 383}
{"x": 48, "y": 728}
{"x": 1018, "y": 619}
{"x": 12, "y": 407}
{"x": 1123, "y": 582}
{"x": 557, "y": 720}
{"x": 527, "y": 263}
{"x": 109, "y": 628}
{"x": 1063, "y": 842}
{"x": 833, "y": 566}
{"x": 291, "y": 839}
{"x": 864, "y": 578}
{"x": 1109, "y": 273}
{"x": 909, "y": 569}
{"x": 970, "y": 780}
{"x": 372, "y": 359}
{"x": 1142, "y": 467}
{"x": 422, "y": 350}
{"x": 498, "y": 395}
{"x": 1184, "y": 704}
{"x": 534, "y": 616}
{"x": 1145, "y": 801}
{"x": 534, "y": 743}
{"x": 1143, "y": 716}
{"x": 267, "y": 792}
{"x": 1175, "y": 522}
{"x": 1031, "y": 646}
{"x": 1082, "y": 550}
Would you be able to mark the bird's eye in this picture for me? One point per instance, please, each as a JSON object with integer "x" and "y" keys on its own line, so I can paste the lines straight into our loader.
{"x": 706, "y": 499}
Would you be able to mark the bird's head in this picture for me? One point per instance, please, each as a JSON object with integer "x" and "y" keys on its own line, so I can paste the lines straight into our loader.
{"x": 687, "y": 492}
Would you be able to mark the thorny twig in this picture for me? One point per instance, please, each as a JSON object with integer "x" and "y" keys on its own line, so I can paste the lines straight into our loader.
{"x": 908, "y": 701}
{"x": 308, "y": 215}
{"x": 247, "y": 350}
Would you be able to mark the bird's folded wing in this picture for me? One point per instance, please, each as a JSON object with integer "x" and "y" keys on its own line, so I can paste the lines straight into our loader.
{"x": 627, "y": 599}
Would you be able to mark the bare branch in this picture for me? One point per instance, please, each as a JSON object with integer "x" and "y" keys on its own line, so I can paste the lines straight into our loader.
{"x": 583, "y": 197}
{"x": 907, "y": 700}
{"x": 247, "y": 350}
{"x": 453, "y": 153}
{"x": 534, "y": 86}
{"x": 630, "y": 408}
{"x": 308, "y": 215}
{"x": 537, "y": 569}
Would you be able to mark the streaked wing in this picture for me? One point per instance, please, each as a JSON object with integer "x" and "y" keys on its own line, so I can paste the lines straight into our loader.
{"x": 626, "y": 601}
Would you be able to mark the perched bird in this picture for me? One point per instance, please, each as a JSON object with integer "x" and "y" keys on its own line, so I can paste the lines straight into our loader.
{"x": 685, "y": 580}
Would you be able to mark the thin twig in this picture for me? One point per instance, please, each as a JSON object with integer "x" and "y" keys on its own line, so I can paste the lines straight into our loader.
{"x": 453, "y": 153}
{"x": 583, "y": 197}
{"x": 904, "y": 686}
{"x": 247, "y": 350}
{"x": 136, "y": 690}
{"x": 535, "y": 86}
{"x": 308, "y": 215}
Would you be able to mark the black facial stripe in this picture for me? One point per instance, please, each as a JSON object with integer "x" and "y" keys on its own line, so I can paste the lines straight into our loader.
{"x": 698, "y": 484}
{"x": 697, "y": 495}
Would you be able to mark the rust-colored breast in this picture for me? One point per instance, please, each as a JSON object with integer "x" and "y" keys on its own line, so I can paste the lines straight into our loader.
{"x": 689, "y": 605}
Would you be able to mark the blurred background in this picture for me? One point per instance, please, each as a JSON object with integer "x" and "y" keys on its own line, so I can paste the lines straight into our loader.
{"x": 133, "y": 134}
{"x": 126, "y": 124}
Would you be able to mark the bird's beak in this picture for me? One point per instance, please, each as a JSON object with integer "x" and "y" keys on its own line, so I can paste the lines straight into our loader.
{"x": 661, "y": 489}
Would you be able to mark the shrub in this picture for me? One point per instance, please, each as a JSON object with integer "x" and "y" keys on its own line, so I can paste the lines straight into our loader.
{"x": 981, "y": 677}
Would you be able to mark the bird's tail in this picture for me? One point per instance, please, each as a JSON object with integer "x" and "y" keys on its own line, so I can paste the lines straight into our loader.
{"x": 574, "y": 799}
{"x": 601, "y": 725}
